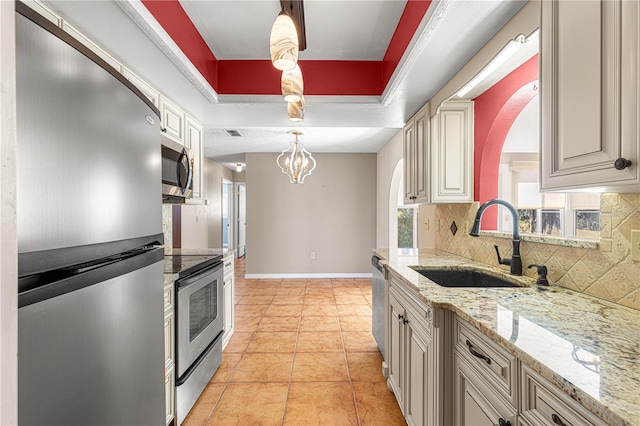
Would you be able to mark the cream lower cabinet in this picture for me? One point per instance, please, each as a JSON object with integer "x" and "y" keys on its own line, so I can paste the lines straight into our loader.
{"x": 169, "y": 350}
{"x": 415, "y": 358}
{"x": 492, "y": 387}
{"x": 475, "y": 402}
{"x": 228, "y": 295}
{"x": 589, "y": 93}
{"x": 485, "y": 380}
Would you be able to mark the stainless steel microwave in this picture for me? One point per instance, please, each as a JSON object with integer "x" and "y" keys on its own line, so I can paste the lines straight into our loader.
{"x": 177, "y": 172}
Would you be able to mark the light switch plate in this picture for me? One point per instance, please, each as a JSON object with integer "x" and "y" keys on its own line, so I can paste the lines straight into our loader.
{"x": 635, "y": 245}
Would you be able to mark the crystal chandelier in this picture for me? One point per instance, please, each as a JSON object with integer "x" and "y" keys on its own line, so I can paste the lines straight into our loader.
{"x": 295, "y": 161}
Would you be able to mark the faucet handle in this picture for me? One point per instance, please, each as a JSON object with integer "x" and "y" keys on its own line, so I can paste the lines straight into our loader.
{"x": 501, "y": 261}
{"x": 542, "y": 273}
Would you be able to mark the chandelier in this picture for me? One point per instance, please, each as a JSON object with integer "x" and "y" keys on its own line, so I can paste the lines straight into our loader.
{"x": 295, "y": 161}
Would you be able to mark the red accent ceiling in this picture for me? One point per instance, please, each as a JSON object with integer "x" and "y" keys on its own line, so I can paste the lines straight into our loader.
{"x": 174, "y": 20}
{"x": 258, "y": 77}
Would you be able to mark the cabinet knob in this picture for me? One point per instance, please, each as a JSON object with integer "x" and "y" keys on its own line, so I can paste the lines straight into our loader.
{"x": 503, "y": 422}
{"x": 621, "y": 163}
{"x": 557, "y": 420}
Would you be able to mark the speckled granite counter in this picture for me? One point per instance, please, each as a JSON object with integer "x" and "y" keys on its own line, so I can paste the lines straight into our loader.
{"x": 587, "y": 347}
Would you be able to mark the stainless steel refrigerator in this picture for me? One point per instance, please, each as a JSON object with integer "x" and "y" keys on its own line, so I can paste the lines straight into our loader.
{"x": 90, "y": 314}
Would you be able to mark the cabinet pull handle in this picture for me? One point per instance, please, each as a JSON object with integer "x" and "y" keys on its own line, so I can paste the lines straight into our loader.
{"x": 622, "y": 163}
{"x": 557, "y": 420}
{"x": 477, "y": 354}
{"x": 405, "y": 321}
{"x": 400, "y": 317}
{"x": 503, "y": 422}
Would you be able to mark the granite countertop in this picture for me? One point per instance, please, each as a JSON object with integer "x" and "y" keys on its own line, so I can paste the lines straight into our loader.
{"x": 588, "y": 347}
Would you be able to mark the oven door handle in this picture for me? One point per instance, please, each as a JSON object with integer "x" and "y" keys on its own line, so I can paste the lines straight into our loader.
{"x": 182, "y": 283}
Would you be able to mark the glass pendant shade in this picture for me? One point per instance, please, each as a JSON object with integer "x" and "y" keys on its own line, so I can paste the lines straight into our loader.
{"x": 292, "y": 84}
{"x": 283, "y": 44}
{"x": 296, "y": 162}
{"x": 296, "y": 110}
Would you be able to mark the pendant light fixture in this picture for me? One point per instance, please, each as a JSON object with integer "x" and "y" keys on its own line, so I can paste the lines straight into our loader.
{"x": 295, "y": 161}
{"x": 292, "y": 84}
{"x": 296, "y": 110}
{"x": 283, "y": 44}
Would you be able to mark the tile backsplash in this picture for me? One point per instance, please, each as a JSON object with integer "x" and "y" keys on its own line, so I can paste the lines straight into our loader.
{"x": 167, "y": 227}
{"x": 606, "y": 272}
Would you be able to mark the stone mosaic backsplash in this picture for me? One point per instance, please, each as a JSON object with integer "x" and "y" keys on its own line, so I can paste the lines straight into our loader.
{"x": 167, "y": 227}
{"x": 606, "y": 272}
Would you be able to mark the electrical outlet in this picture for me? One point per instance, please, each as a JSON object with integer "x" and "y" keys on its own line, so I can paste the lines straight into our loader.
{"x": 635, "y": 245}
{"x": 313, "y": 255}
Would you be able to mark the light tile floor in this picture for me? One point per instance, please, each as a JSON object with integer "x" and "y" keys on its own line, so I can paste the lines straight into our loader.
{"x": 302, "y": 354}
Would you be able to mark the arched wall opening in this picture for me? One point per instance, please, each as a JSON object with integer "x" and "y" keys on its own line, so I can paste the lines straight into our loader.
{"x": 394, "y": 191}
{"x": 494, "y": 113}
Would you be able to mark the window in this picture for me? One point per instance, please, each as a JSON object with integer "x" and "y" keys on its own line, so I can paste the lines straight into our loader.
{"x": 407, "y": 218}
{"x": 407, "y": 222}
{"x": 575, "y": 214}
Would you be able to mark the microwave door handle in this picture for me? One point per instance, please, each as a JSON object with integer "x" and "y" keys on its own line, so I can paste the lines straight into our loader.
{"x": 181, "y": 161}
{"x": 189, "y": 172}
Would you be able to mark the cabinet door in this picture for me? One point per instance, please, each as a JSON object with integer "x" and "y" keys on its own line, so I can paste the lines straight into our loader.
{"x": 193, "y": 141}
{"x": 421, "y": 152}
{"x": 409, "y": 156}
{"x": 395, "y": 349}
{"x": 418, "y": 388}
{"x": 589, "y": 94}
{"x": 172, "y": 120}
{"x": 452, "y": 153}
{"x": 475, "y": 403}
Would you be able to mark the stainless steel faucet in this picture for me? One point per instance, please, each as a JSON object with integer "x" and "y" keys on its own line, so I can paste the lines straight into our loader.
{"x": 515, "y": 262}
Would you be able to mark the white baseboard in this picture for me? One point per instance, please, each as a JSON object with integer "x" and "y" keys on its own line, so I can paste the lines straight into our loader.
{"x": 306, "y": 276}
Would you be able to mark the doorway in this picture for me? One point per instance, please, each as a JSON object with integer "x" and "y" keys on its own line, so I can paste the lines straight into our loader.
{"x": 227, "y": 203}
{"x": 241, "y": 218}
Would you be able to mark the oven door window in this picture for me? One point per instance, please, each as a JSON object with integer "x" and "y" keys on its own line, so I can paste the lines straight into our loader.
{"x": 203, "y": 309}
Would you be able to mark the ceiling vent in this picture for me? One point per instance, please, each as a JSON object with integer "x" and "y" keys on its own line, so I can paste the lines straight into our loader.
{"x": 233, "y": 133}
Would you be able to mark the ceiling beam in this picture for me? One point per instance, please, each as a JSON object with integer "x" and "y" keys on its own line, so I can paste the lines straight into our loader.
{"x": 295, "y": 9}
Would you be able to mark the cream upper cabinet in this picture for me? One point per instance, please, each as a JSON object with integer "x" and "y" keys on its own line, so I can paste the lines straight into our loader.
{"x": 193, "y": 140}
{"x": 417, "y": 149}
{"x": 173, "y": 120}
{"x": 589, "y": 65}
{"x": 452, "y": 153}
{"x": 151, "y": 93}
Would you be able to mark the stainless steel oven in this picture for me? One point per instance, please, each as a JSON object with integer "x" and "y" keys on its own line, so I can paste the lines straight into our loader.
{"x": 199, "y": 327}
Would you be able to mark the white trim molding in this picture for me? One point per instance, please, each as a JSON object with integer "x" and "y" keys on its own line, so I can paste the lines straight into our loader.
{"x": 141, "y": 16}
{"x": 308, "y": 276}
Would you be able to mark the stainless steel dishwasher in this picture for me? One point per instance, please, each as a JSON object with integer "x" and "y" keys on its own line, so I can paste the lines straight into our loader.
{"x": 378, "y": 301}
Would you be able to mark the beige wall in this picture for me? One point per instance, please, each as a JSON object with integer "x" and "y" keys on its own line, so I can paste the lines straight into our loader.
{"x": 606, "y": 272}
{"x": 387, "y": 160}
{"x": 332, "y": 214}
{"x": 202, "y": 223}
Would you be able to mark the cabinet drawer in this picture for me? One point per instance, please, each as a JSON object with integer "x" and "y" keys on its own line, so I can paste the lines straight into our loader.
{"x": 168, "y": 298}
{"x": 492, "y": 362}
{"x": 544, "y": 404}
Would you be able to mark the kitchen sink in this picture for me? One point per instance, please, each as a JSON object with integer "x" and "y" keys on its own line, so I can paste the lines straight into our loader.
{"x": 463, "y": 278}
